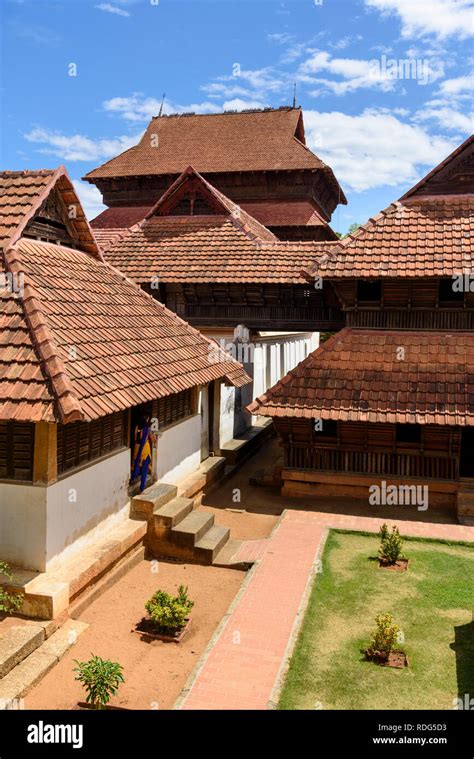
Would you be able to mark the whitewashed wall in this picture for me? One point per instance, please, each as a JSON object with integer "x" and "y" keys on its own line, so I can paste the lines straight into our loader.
{"x": 179, "y": 450}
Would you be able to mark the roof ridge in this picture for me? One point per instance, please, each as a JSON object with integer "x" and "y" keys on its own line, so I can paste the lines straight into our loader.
{"x": 187, "y": 114}
{"x": 68, "y": 403}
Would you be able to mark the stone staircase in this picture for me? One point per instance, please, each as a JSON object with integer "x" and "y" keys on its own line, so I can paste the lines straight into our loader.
{"x": 28, "y": 652}
{"x": 465, "y": 502}
{"x": 176, "y": 529}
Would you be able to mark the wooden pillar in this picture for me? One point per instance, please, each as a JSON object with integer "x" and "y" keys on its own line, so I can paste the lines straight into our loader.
{"x": 45, "y": 463}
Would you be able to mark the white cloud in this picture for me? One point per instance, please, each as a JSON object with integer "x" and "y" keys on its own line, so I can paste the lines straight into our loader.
{"x": 109, "y": 8}
{"x": 460, "y": 86}
{"x": 447, "y": 117}
{"x": 90, "y": 198}
{"x": 373, "y": 149}
{"x": 77, "y": 147}
{"x": 237, "y": 104}
{"x": 138, "y": 108}
{"x": 443, "y": 18}
{"x": 381, "y": 73}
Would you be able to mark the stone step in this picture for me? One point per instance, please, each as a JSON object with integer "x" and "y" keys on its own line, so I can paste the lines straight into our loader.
{"x": 192, "y": 528}
{"x": 17, "y": 643}
{"x": 207, "y": 548}
{"x": 172, "y": 513}
{"x": 27, "y": 673}
{"x": 225, "y": 557}
{"x": 153, "y": 498}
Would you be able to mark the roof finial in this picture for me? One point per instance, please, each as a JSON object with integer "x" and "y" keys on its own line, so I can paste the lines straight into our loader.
{"x": 294, "y": 95}
{"x": 162, "y": 104}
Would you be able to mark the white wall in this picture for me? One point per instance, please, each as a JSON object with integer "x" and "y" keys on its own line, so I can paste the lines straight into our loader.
{"x": 101, "y": 493}
{"x": 179, "y": 450}
{"x": 42, "y": 525}
{"x": 23, "y": 525}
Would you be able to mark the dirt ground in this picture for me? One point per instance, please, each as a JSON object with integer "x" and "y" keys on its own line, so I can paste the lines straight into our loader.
{"x": 154, "y": 672}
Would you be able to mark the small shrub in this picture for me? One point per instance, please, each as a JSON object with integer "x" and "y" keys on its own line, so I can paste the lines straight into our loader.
{"x": 391, "y": 544}
{"x": 100, "y": 678}
{"x": 9, "y": 602}
{"x": 384, "y": 636}
{"x": 168, "y": 613}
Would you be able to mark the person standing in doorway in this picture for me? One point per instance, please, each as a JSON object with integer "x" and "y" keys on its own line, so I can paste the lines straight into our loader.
{"x": 144, "y": 439}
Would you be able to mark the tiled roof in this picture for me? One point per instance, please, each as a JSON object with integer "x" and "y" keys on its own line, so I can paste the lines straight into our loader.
{"x": 466, "y": 151}
{"x": 228, "y": 246}
{"x": 22, "y": 194}
{"x": 285, "y": 213}
{"x": 363, "y": 375}
{"x": 19, "y": 193}
{"x": 106, "y": 237}
{"x": 243, "y": 141}
{"x": 429, "y": 236}
{"x": 206, "y": 249}
{"x": 119, "y": 217}
{"x": 83, "y": 341}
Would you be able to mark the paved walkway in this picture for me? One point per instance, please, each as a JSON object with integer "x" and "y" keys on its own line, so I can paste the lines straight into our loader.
{"x": 245, "y": 661}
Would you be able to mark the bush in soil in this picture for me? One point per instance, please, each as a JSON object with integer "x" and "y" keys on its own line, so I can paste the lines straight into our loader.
{"x": 384, "y": 636}
{"x": 100, "y": 678}
{"x": 391, "y": 544}
{"x": 168, "y": 613}
{"x": 9, "y": 602}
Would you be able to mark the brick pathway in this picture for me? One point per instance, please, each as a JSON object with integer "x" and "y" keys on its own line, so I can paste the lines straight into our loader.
{"x": 244, "y": 663}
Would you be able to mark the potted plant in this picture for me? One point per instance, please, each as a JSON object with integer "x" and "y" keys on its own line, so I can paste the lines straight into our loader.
{"x": 9, "y": 602}
{"x": 384, "y": 637}
{"x": 168, "y": 616}
{"x": 390, "y": 551}
{"x": 101, "y": 680}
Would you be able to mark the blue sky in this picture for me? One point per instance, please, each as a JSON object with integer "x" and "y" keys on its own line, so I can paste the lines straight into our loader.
{"x": 386, "y": 85}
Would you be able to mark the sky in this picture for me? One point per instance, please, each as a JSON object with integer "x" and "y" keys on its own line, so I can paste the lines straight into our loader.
{"x": 386, "y": 86}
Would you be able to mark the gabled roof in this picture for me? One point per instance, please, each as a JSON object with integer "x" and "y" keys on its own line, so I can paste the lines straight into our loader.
{"x": 227, "y": 245}
{"x": 429, "y": 236}
{"x": 22, "y": 194}
{"x": 457, "y": 169}
{"x": 256, "y": 140}
{"x": 88, "y": 342}
{"x": 77, "y": 339}
{"x": 357, "y": 376}
{"x": 428, "y": 233}
{"x": 119, "y": 217}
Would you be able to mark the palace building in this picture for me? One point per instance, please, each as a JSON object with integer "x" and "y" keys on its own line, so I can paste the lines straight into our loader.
{"x": 257, "y": 158}
{"x": 83, "y": 351}
{"x": 391, "y": 396}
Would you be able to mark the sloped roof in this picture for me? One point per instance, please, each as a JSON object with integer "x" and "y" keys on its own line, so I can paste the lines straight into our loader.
{"x": 285, "y": 213}
{"x": 22, "y": 193}
{"x": 90, "y": 342}
{"x": 119, "y": 217}
{"x": 429, "y": 236}
{"x": 357, "y": 376}
{"x": 227, "y": 246}
{"x": 461, "y": 160}
{"x": 232, "y": 141}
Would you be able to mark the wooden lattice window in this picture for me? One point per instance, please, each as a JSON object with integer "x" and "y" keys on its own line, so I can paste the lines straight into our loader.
{"x": 82, "y": 442}
{"x": 173, "y": 408}
{"x": 17, "y": 444}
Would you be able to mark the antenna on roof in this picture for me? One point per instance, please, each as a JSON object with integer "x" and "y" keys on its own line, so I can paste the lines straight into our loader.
{"x": 162, "y": 104}
{"x": 294, "y": 95}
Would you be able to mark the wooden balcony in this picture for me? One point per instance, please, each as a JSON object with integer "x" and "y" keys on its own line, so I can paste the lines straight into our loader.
{"x": 416, "y": 464}
{"x": 280, "y": 317}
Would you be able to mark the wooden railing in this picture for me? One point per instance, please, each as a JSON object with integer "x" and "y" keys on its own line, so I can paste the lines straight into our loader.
{"x": 410, "y": 318}
{"x": 327, "y": 316}
{"x": 367, "y": 462}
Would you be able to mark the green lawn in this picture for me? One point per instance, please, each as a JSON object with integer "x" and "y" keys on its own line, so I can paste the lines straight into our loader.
{"x": 433, "y": 604}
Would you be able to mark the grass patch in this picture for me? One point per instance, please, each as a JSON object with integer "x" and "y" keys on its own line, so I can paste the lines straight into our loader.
{"x": 432, "y": 603}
